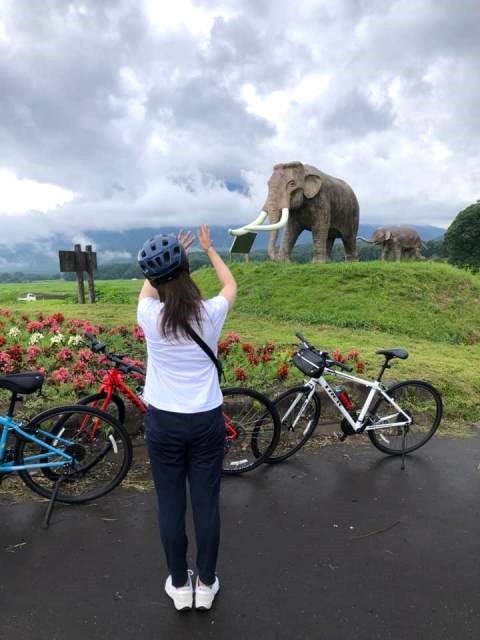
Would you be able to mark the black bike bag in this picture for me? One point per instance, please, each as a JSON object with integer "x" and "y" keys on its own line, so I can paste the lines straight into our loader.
{"x": 310, "y": 362}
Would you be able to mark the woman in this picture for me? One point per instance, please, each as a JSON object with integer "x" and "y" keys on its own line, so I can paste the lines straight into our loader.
{"x": 184, "y": 424}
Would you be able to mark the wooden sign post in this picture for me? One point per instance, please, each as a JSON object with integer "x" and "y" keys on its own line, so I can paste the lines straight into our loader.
{"x": 78, "y": 261}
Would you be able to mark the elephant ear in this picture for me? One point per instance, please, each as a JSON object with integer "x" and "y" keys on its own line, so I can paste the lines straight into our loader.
{"x": 388, "y": 235}
{"x": 312, "y": 185}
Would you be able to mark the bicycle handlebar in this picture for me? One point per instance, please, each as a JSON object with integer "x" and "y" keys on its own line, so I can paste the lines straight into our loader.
{"x": 99, "y": 347}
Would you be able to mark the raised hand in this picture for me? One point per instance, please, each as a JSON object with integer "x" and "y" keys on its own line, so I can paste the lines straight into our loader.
{"x": 186, "y": 239}
{"x": 204, "y": 237}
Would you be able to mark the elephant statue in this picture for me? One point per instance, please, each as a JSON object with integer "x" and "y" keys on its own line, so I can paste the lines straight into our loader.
{"x": 401, "y": 241}
{"x": 300, "y": 197}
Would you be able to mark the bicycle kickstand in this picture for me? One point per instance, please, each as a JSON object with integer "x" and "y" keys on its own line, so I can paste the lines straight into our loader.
{"x": 404, "y": 441}
{"x": 51, "y": 504}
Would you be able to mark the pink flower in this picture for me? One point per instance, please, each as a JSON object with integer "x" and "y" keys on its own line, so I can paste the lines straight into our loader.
{"x": 85, "y": 354}
{"x": 7, "y": 365}
{"x": 61, "y": 375}
{"x": 33, "y": 353}
{"x": 65, "y": 354}
{"x": 34, "y": 326}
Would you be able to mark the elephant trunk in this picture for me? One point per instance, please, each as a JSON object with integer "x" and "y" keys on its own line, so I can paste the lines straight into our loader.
{"x": 365, "y": 240}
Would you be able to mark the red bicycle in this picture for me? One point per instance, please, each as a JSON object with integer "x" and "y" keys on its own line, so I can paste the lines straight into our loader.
{"x": 252, "y": 423}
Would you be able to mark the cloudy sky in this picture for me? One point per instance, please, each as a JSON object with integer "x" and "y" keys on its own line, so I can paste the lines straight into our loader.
{"x": 121, "y": 113}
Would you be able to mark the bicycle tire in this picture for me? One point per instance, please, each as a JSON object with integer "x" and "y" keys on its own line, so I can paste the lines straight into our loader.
{"x": 35, "y": 478}
{"x": 256, "y": 437}
{"x": 101, "y": 395}
{"x": 286, "y": 426}
{"x": 434, "y": 416}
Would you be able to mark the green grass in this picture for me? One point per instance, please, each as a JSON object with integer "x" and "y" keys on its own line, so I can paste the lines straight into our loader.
{"x": 430, "y": 309}
{"x": 422, "y": 300}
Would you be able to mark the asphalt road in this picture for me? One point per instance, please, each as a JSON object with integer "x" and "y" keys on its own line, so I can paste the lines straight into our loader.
{"x": 337, "y": 543}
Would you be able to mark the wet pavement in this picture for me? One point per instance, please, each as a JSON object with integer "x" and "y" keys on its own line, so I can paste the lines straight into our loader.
{"x": 337, "y": 543}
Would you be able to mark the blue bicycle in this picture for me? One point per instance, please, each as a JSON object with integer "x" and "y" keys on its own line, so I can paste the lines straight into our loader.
{"x": 70, "y": 454}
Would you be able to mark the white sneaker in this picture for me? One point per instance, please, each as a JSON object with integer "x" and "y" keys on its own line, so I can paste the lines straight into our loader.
{"x": 204, "y": 595}
{"x": 182, "y": 596}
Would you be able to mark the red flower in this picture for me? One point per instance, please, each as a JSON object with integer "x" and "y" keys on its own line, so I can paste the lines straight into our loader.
{"x": 352, "y": 355}
{"x": 360, "y": 366}
{"x": 247, "y": 348}
{"x": 138, "y": 333}
{"x": 58, "y": 317}
{"x": 2, "y": 341}
{"x": 336, "y": 355}
{"x": 282, "y": 371}
{"x": 232, "y": 337}
{"x": 24, "y": 317}
{"x": 122, "y": 330}
{"x": 15, "y": 352}
{"x": 240, "y": 374}
{"x": 253, "y": 359}
{"x": 5, "y": 312}
{"x": 224, "y": 346}
{"x": 270, "y": 346}
{"x": 61, "y": 375}
{"x": 266, "y": 357}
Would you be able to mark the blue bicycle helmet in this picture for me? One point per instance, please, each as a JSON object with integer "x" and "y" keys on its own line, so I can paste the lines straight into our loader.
{"x": 162, "y": 258}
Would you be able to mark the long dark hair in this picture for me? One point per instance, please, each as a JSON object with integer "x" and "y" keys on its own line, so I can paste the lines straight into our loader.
{"x": 183, "y": 305}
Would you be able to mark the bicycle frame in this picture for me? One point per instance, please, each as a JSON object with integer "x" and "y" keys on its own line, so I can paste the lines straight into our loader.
{"x": 113, "y": 381}
{"x": 359, "y": 424}
{"x": 10, "y": 425}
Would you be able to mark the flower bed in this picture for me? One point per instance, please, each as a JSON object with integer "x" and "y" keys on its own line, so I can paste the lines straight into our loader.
{"x": 56, "y": 347}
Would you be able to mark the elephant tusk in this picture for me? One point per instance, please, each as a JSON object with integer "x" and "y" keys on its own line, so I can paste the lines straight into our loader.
{"x": 241, "y": 231}
{"x": 256, "y": 225}
{"x": 365, "y": 240}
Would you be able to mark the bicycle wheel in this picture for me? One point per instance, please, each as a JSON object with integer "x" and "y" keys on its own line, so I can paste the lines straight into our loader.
{"x": 252, "y": 429}
{"x": 299, "y": 416}
{"x": 423, "y": 404}
{"x": 100, "y": 446}
{"x": 116, "y": 407}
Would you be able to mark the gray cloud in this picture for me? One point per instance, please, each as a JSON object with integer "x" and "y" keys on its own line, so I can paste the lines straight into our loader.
{"x": 152, "y": 125}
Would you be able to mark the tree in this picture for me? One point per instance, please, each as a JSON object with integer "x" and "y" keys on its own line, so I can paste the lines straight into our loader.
{"x": 462, "y": 239}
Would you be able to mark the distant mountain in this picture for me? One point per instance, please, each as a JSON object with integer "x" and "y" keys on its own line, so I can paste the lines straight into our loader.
{"x": 123, "y": 246}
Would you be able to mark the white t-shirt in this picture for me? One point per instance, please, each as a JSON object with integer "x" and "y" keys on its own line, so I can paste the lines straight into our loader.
{"x": 180, "y": 375}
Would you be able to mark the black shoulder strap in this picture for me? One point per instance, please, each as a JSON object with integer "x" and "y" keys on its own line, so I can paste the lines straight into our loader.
{"x": 204, "y": 346}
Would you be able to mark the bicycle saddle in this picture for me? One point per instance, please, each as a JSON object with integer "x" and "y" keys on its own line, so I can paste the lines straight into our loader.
{"x": 394, "y": 353}
{"x": 27, "y": 382}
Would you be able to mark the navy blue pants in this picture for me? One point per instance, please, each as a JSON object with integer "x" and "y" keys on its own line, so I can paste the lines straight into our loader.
{"x": 184, "y": 445}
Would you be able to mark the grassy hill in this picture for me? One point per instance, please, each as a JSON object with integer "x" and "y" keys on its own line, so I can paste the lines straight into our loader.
{"x": 422, "y": 300}
{"x": 431, "y": 309}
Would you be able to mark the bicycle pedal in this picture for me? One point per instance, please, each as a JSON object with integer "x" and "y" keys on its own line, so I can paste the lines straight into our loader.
{"x": 340, "y": 436}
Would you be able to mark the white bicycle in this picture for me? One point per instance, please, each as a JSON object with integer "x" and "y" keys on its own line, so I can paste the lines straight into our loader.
{"x": 398, "y": 419}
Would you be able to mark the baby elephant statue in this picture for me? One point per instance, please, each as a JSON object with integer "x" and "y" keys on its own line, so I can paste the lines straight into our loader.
{"x": 401, "y": 241}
